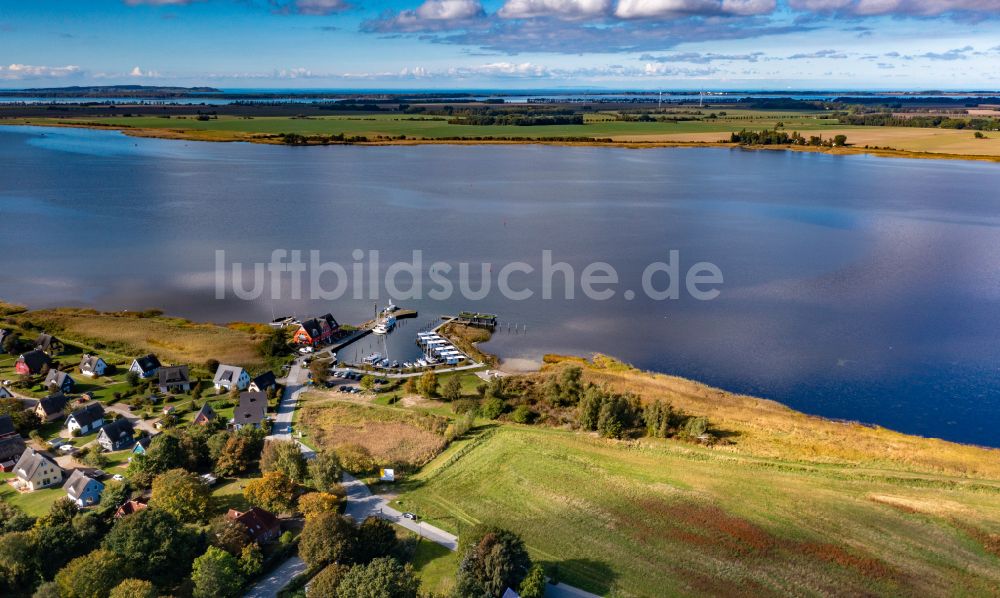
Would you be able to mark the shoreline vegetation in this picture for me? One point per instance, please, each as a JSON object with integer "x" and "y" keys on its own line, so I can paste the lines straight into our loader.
{"x": 757, "y": 495}
{"x": 319, "y": 141}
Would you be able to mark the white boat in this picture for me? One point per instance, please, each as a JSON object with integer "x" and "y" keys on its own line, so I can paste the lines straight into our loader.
{"x": 387, "y": 323}
{"x": 422, "y": 363}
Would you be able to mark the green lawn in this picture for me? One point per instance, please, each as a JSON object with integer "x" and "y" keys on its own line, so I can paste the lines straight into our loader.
{"x": 35, "y": 503}
{"x": 605, "y": 516}
{"x": 434, "y": 565}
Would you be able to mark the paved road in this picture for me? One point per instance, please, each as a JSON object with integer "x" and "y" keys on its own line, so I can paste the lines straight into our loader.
{"x": 361, "y": 503}
{"x": 295, "y": 383}
{"x": 269, "y": 586}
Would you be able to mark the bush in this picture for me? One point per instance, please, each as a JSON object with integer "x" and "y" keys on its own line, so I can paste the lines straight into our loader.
{"x": 355, "y": 458}
{"x": 492, "y": 408}
{"x": 326, "y": 581}
{"x": 523, "y": 415}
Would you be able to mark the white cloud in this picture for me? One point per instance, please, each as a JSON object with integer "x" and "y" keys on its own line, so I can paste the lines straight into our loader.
{"x": 449, "y": 10}
{"x": 647, "y": 9}
{"x": 310, "y": 7}
{"x": 138, "y": 72}
{"x": 567, "y": 9}
{"x": 17, "y": 72}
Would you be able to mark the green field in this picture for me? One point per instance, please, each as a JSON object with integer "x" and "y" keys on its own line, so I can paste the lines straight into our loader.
{"x": 665, "y": 518}
{"x": 393, "y": 125}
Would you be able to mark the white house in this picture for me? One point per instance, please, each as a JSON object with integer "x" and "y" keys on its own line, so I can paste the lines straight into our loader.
{"x": 92, "y": 366}
{"x": 231, "y": 376}
{"x": 86, "y": 419}
{"x": 34, "y": 471}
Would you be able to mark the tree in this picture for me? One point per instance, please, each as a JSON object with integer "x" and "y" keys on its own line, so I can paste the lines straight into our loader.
{"x": 376, "y": 538}
{"x": 589, "y": 408}
{"x": 182, "y": 494}
{"x": 410, "y": 386}
{"x": 840, "y": 140}
{"x": 326, "y": 581}
{"x": 381, "y": 578}
{"x": 314, "y": 503}
{"x": 275, "y": 344}
{"x": 495, "y": 559}
{"x": 13, "y": 519}
{"x": 212, "y": 365}
{"x": 324, "y": 471}
{"x": 11, "y": 343}
{"x": 492, "y": 408}
{"x": 18, "y": 566}
{"x": 533, "y": 585}
{"x": 274, "y": 492}
{"x": 452, "y": 389}
{"x": 24, "y": 420}
{"x": 132, "y": 378}
{"x": 61, "y": 512}
{"x": 216, "y": 574}
{"x": 90, "y": 576}
{"x": 238, "y": 455}
{"x": 284, "y": 456}
{"x": 367, "y": 382}
{"x": 153, "y": 545}
{"x": 618, "y": 414}
{"x": 327, "y": 538}
{"x": 251, "y": 560}
{"x": 133, "y": 588}
{"x": 114, "y": 494}
{"x": 429, "y": 384}
{"x": 658, "y": 417}
{"x": 318, "y": 368}
{"x": 229, "y": 535}
{"x": 570, "y": 387}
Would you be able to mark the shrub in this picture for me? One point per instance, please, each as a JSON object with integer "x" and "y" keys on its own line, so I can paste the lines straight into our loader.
{"x": 492, "y": 408}
{"x": 355, "y": 458}
{"x": 523, "y": 415}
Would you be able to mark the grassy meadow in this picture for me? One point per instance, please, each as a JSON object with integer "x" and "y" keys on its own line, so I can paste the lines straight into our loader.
{"x": 656, "y": 518}
{"x": 394, "y": 437}
{"x": 121, "y": 336}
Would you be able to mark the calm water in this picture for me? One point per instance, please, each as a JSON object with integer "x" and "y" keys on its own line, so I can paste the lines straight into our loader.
{"x": 855, "y": 287}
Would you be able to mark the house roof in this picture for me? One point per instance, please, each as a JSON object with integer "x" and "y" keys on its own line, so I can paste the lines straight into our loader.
{"x": 312, "y": 327}
{"x": 89, "y": 362}
{"x": 147, "y": 363}
{"x": 144, "y": 441}
{"x": 11, "y": 448}
{"x": 53, "y": 403}
{"x": 5, "y": 394}
{"x": 265, "y": 380}
{"x": 88, "y": 414}
{"x": 118, "y": 430}
{"x": 257, "y": 520}
{"x": 35, "y": 359}
{"x": 57, "y": 378}
{"x": 228, "y": 374}
{"x": 130, "y": 507}
{"x": 175, "y": 374}
{"x": 207, "y": 411}
{"x": 29, "y": 463}
{"x": 44, "y": 341}
{"x": 252, "y": 408}
{"x": 6, "y": 425}
{"x": 77, "y": 483}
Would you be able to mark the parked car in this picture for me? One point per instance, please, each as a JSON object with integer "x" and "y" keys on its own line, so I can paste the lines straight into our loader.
{"x": 410, "y": 516}
{"x": 305, "y": 350}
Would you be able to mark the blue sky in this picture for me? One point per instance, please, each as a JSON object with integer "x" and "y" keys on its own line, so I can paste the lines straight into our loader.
{"x": 421, "y": 44}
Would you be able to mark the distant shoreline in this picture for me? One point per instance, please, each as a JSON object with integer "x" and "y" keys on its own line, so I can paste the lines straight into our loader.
{"x": 237, "y": 137}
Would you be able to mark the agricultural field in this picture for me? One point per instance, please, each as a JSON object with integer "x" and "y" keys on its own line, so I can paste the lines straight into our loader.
{"x": 604, "y": 514}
